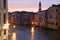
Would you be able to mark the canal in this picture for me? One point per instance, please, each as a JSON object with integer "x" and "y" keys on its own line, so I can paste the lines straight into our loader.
{"x": 33, "y": 34}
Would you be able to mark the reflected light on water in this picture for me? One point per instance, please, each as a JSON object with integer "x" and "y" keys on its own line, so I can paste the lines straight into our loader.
{"x": 32, "y": 33}
{"x": 14, "y": 36}
{"x": 32, "y": 29}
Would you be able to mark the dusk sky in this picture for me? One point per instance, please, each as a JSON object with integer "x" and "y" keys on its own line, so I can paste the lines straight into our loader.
{"x": 30, "y": 5}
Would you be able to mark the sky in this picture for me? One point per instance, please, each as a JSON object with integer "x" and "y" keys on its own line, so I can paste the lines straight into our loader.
{"x": 30, "y": 5}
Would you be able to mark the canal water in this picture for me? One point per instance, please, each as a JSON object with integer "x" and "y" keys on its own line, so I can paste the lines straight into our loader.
{"x": 33, "y": 34}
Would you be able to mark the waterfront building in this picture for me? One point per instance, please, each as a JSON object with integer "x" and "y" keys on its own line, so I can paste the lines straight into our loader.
{"x": 49, "y": 18}
{"x": 54, "y": 16}
{"x": 23, "y": 18}
{"x": 40, "y": 17}
{"x": 46, "y": 18}
{"x": 3, "y": 20}
{"x": 58, "y": 16}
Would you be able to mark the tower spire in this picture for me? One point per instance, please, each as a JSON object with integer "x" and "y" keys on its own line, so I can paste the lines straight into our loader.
{"x": 39, "y": 6}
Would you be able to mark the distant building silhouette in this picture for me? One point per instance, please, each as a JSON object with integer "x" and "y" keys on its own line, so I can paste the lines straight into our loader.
{"x": 23, "y": 18}
{"x": 39, "y": 6}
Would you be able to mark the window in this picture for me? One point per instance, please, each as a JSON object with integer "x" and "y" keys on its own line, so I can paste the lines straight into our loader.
{"x": 0, "y": 3}
{"x": 0, "y": 18}
{"x": 0, "y": 32}
{"x": 4, "y": 18}
{"x": 56, "y": 23}
{"x": 56, "y": 17}
{"x": 51, "y": 16}
{"x": 4, "y": 39}
{"x": 56, "y": 10}
{"x": 4, "y": 31}
{"x": 13, "y": 15}
{"x": 4, "y": 4}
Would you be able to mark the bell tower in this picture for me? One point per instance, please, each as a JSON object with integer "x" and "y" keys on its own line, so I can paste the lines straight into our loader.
{"x": 39, "y": 6}
{"x": 4, "y": 20}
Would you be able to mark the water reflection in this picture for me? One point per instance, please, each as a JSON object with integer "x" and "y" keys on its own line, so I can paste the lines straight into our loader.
{"x": 13, "y": 36}
{"x": 32, "y": 33}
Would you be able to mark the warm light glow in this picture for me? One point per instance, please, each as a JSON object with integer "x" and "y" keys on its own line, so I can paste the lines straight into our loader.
{"x": 36, "y": 23}
{"x": 33, "y": 23}
{"x": 14, "y": 36}
{"x": 32, "y": 30}
{"x": 6, "y": 26}
{"x": 14, "y": 26}
{"x": 32, "y": 33}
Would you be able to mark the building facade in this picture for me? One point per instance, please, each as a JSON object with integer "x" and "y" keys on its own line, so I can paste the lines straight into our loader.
{"x": 46, "y": 18}
{"x": 54, "y": 16}
{"x": 49, "y": 18}
{"x": 3, "y": 20}
{"x": 22, "y": 18}
{"x": 40, "y": 19}
{"x": 58, "y": 16}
